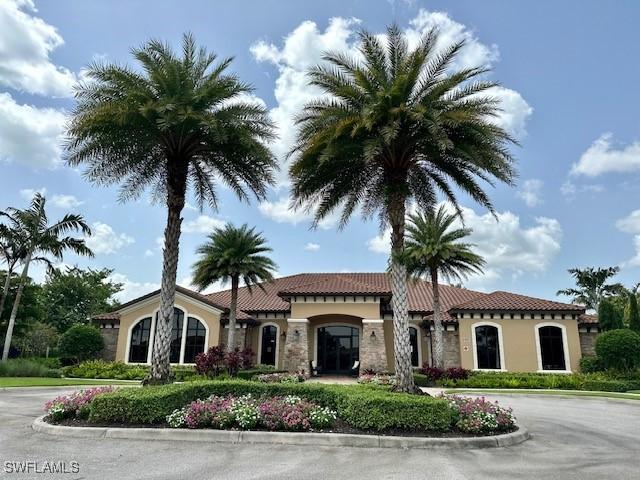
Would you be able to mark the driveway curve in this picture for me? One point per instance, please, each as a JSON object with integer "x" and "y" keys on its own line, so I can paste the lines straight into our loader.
{"x": 572, "y": 438}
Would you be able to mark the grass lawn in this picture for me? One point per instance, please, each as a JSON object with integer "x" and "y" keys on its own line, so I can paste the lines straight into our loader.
{"x": 55, "y": 382}
{"x": 634, "y": 395}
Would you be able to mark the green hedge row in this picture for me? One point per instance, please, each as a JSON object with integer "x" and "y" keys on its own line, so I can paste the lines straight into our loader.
{"x": 19, "y": 367}
{"x": 577, "y": 381}
{"x": 362, "y": 407}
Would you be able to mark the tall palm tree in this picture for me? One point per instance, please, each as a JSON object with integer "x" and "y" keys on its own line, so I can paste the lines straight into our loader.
{"x": 433, "y": 249}
{"x": 397, "y": 126}
{"x": 180, "y": 122}
{"x": 230, "y": 255}
{"x": 41, "y": 240}
{"x": 12, "y": 253}
{"x": 592, "y": 287}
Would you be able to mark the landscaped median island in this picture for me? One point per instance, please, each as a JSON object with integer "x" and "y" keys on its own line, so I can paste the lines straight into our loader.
{"x": 241, "y": 405}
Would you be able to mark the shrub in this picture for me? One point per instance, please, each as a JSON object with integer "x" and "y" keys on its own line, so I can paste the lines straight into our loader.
{"x": 609, "y": 317}
{"x": 632, "y": 314}
{"x": 477, "y": 415}
{"x": 49, "y": 362}
{"x": 619, "y": 349}
{"x": 280, "y": 378}
{"x": 20, "y": 367}
{"x": 104, "y": 369}
{"x": 377, "y": 379}
{"x": 81, "y": 342}
{"x": 216, "y": 360}
{"x": 432, "y": 373}
{"x": 591, "y": 364}
{"x": 74, "y": 405}
{"x": 362, "y": 407}
{"x": 421, "y": 380}
{"x": 457, "y": 373}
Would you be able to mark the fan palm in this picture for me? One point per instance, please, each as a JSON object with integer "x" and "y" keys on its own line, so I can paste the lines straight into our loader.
{"x": 180, "y": 122}
{"x": 397, "y": 126}
{"x": 433, "y": 249}
{"x": 41, "y": 240}
{"x": 233, "y": 254}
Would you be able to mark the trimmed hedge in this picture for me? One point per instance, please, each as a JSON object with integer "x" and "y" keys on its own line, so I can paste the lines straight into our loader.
{"x": 362, "y": 407}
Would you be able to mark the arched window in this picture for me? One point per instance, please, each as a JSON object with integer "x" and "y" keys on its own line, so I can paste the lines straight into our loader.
{"x": 195, "y": 340}
{"x": 413, "y": 339}
{"x": 551, "y": 347}
{"x": 139, "y": 345}
{"x": 269, "y": 345}
{"x": 487, "y": 347}
{"x": 176, "y": 335}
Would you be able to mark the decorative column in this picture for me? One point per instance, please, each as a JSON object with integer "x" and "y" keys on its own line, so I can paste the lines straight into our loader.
{"x": 373, "y": 352}
{"x": 296, "y": 346}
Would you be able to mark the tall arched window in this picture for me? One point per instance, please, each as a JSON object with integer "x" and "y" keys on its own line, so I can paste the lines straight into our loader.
{"x": 195, "y": 340}
{"x": 269, "y": 345}
{"x": 488, "y": 347}
{"x": 552, "y": 353}
{"x": 413, "y": 339}
{"x": 139, "y": 345}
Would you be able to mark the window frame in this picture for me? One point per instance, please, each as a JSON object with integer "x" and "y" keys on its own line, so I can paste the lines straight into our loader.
{"x": 565, "y": 347}
{"x": 503, "y": 365}
{"x": 418, "y": 344}
{"x": 259, "y": 355}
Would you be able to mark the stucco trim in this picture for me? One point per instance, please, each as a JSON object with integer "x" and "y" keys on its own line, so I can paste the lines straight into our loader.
{"x": 565, "y": 347}
{"x": 179, "y": 296}
{"x": 503, "y": 365}
{"x": 277, "y": 342}
{"x": 297, "y": 320}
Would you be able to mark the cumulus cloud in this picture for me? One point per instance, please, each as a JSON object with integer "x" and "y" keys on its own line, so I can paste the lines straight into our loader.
{"x": 65, "y": 201}
{"x": 280, "y": 212}
{"x": 604, "y": 157}
{"x": 312, "y": 247}
{"x": 202, "y": 224}
{"x": 530, "y": 192}
{"x": 509, "y": 248}
{"x": 26, "y": 42}
{"x": 28, "y": 193}
{"x": 631, "y": 224}
{"x": 30, "y": 135}
{"x": 130, "y": 288}
{"x": 303, "y": 47}
{"x": 105, "y": 239}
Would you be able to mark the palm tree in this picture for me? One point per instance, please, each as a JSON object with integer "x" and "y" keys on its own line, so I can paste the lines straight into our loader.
{"x": 41, "y": 240}
{"x": 233, "y": 254}
{"x": 12, "y": 253}
{"x": 393, "y": 127}
{"x": 592, "y": 287}
{"x": 180, "y": 122}
{"x": 434, "y": 249}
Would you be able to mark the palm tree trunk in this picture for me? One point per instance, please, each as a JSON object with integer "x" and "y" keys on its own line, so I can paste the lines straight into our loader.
{"x": 160, "y": 367}
{"x": 438, "y": 344}
{"x": 5, "y": 290}
{"x": 231, "y": 338}
{"x": 399, "y": 299}
{"x": 14, "y": 310}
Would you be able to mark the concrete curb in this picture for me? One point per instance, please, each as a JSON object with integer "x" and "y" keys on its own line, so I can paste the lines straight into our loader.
{"x": 284, "y": 438}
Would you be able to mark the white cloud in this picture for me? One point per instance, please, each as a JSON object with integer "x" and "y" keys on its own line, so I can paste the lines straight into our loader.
{"x": 635, "y": 260}
{"x": 28, "y": 193}
{"x": 202, "y": 224}
{"x": 105, "y": 239}
{"x": 30, "y": 135}
{"x": 509, "y": 248}
{"x": 530, "y": 192}
{"x": 603, "y": 157}
{"x": 148, "y": 253}
{"x": 570, "y": 189}
{"x": 66, "y": 201}
{"x": 312, "y": 247}
{"x": 26, "y": 42}
{"x": 131, "y": 289}
{"x": 280, "y": 212}
{"x": 631, "y": 224}
{"x": 304, "y": 46}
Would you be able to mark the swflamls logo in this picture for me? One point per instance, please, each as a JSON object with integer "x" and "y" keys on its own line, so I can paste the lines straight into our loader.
{"x": 41, "y": 467}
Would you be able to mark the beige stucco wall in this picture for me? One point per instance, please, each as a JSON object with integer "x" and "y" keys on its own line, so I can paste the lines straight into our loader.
{"x": 423, "y": 354}
{"x": 369, "y": 310}
{"x": 519, "y": 342}
{"x": 147, "y": 309}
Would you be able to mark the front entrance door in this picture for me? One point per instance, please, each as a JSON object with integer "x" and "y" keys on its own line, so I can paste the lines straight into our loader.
{"x": 338, "y": 349}
{"x": 268, "y": 346}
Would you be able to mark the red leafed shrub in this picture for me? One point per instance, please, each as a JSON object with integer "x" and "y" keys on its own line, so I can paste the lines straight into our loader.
{"x": 247, "y": 358}
{"x": 432, "y": 373}
{"x": 217, "y": 360}
{"x": 456, "y": 373}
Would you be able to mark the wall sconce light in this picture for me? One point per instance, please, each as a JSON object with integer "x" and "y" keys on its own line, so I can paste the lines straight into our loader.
{"x": 373, "y": 334}
{"x": 283, "y": 334}
{"x": 297, "y": 334}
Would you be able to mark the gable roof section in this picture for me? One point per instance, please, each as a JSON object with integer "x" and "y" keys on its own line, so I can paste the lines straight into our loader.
{"x": 499, "y": 300}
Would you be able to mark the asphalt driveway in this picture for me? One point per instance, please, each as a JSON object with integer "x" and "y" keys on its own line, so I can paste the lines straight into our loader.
{"x": 573, "y": 438}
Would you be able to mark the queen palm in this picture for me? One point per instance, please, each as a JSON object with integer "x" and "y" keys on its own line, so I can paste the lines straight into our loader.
{"x": 434, "y": 249}
{"x": 394, "y": 126}
{"x": 180, "y": 122}
{"x": 41, "y": 240}
{"x": 233, "y": 254}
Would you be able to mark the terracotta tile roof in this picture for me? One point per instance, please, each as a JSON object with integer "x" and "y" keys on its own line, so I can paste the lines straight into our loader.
{"x": 512, "y": 301}
{"x": 588, "y": 319}
{"x": 107, "y": 316}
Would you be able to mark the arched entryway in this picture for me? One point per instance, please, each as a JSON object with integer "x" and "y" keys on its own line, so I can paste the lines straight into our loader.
{"x": 336, "y": 343}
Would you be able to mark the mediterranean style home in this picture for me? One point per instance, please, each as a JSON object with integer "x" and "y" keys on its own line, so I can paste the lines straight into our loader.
{"x": 337, "y": 322}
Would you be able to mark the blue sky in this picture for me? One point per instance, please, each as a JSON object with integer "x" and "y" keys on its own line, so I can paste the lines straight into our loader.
{"x": 568, "y": 72}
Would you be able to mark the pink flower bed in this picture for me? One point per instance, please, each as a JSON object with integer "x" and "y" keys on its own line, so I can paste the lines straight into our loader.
{"x": 478, "y": 415}
{"x": 74, "y": 405}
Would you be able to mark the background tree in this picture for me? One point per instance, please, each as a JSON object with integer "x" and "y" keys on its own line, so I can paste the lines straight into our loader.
{"x": 632, "y": 314}
{"x": 41, "y": 240}
{"x": 233, "y": 254}
{"x": 11, "y": 253}
{"x": 37, "y": 340}
{"x": 395, "y": 126}
{"x": 591, "y": 286}
{"x": 609, "y": 317}
{"x": 75, "y": 295}
{"x": 434, "y": 249}
{"x": 180, "y": 121}
{"x": 80, "y": 343}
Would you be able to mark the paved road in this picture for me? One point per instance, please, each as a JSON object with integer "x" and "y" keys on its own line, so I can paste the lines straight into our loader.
{"x": 573, "y": 438}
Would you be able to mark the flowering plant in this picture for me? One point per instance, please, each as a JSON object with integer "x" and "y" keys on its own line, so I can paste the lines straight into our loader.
{"x": 280, "y": 378}
{"x": 74, "y": 405}
{"x": 246, "y": 412}
{"x": 478, "y": 415}
{"x": 377, "y": 379}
